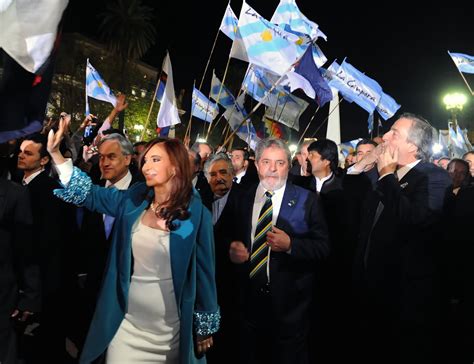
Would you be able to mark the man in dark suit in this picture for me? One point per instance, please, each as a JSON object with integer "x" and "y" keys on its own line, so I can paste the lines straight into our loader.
{"x": 219, "y": 172}
{"x": 280, "y": 236}
{"x": 53, "y": 226}
{"x": 244, "y": 169}
{"x": 200, "y": 182}
{"x": 396, "y": 268}
{"x": 333, "y": 286}
{"x": 19, "y": 276}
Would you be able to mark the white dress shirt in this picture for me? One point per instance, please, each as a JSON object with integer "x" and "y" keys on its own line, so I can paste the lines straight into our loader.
{"x": 260, "y": 198}
{"x": 320, "y": 182}
{"x": 30, "y": 178}
{"x": 239, "y": 176}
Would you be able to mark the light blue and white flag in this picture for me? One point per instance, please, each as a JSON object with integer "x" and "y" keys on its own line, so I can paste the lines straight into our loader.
{"x": 258, "y": 82}
{"x": 168, "y": 113}
{"x": 349, "y": 147}
{"x": 318, "y": 56}
{"x": 463, "y": 139}
{"x": 387, "y": 106}
{"x": 370, "y": 123}
{"x": 202, "y": 107}
{"x": 464, "y": 62}
{"x": 225, "y": 98}
{"x": 235, "y": 116}
{"x": 288, "y": 16}
{"x": 265, "y": 44}
{"x": 96, "y": 86}
{"x": 229, "y": 23}
{"x": 357, "y": 87}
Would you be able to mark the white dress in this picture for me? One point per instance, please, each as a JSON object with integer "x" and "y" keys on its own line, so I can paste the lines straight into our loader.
{"x": 149, "y": 333}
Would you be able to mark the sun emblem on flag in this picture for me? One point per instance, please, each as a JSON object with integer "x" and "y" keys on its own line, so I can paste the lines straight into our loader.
{"x": 100, "y": 84}
{"x": 266, "y": 35}
{"x": 300, "y": 41}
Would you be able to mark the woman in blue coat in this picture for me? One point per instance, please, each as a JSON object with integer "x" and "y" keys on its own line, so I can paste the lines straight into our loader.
{"x": 158, "y": 297}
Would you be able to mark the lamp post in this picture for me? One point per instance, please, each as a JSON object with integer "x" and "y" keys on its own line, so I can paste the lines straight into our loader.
{"x": 454, "y": 103}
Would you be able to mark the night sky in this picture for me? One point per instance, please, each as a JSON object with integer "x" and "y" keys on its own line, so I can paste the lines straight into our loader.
{"x": 403, "y": 49}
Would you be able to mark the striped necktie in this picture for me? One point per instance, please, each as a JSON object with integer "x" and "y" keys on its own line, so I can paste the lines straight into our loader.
{"x": 259, "y": 256}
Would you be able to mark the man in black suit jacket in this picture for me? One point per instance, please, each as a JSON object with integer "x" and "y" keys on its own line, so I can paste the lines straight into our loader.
{"x": 396, "y": 268}
{"x": 276, "y": 281}
{"x": 200, "y": 182}
{"x": 53, "y": 226}
{"x": 19, "y": 276}
{"x": 244, "y": 168}
{"x": 219, "y": 172}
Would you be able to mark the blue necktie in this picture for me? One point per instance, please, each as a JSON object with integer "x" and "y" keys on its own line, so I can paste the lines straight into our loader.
{"x": 108, "y": 223}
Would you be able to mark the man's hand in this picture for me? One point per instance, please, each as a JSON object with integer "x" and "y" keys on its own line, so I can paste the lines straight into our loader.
{"x": 388, "y": 160}
{"x": 88, "y": 120}
{"x": 54, "y": 141}
{"x": 278, "y": 240}
{"x": 121, "y": 103}
{"x": 368, "y": 160}
{"x": 238, "y": 253}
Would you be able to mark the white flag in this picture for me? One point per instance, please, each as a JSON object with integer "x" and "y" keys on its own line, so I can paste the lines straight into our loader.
{"x": 168, "y": 113}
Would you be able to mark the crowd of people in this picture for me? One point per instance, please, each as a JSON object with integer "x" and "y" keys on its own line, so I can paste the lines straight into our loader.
{"x": 161, "y": 252}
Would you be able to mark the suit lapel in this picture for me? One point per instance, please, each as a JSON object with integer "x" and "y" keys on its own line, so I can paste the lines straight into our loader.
{"x": 290, "y": 199}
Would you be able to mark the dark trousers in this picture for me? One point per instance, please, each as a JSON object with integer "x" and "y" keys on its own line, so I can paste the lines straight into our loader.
{"x": 261, "y": 340}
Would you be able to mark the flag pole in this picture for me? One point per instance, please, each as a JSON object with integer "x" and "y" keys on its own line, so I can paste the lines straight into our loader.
{"x": 220, "y": 90}
{"x": 188, "y": 128}
{"x": 307, "y": 126}
{"x": 465, "y": 81}
{"x": 209, "y": 59}
{"x": 151, "y": 106}
{"x": 87, "y": 100}
{"x": 325, "y": 120}
{"x": 256, "y": 106}
{"x": 238, "y": 95}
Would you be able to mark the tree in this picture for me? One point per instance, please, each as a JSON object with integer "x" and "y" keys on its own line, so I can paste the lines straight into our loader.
{"x": 127, "y": 28}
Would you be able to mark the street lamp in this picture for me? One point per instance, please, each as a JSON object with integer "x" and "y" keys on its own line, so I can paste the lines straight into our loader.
{"x": 454, "y": 103}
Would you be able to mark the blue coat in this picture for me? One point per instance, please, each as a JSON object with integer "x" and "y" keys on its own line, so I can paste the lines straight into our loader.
{"x": 192, "y": 265}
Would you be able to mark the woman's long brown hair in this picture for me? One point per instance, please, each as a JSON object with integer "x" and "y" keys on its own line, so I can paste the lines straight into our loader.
{"x": 176, "y": 207}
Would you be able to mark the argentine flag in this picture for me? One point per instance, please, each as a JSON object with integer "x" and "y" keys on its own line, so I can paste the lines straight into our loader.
{"x": 202, "y": 107}
{"x": 96, "y": 86}
{"x": 229, "y": 23}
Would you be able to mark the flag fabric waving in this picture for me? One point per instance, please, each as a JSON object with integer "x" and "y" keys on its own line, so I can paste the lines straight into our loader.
{"x": 288, "y": 15}
{"x": 168, "y": 113}
{"x": 357, "y": 87}
{"x": 387, "y": 106}
{"x": 202, "y": 107}
{"x": 464, "y": 62}
{"x": 29, "y": 29}
{"x": 225, "y": 98}
{"x": 229, "y": 23}
{"x": 235, "y": 116}
{"x": 265, "y": 44}
{"x": 96, "y": 86}
{"x": 308, "y": 69}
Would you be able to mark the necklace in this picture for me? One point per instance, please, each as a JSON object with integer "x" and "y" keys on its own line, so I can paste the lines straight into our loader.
{"x": 154, "y": 207}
